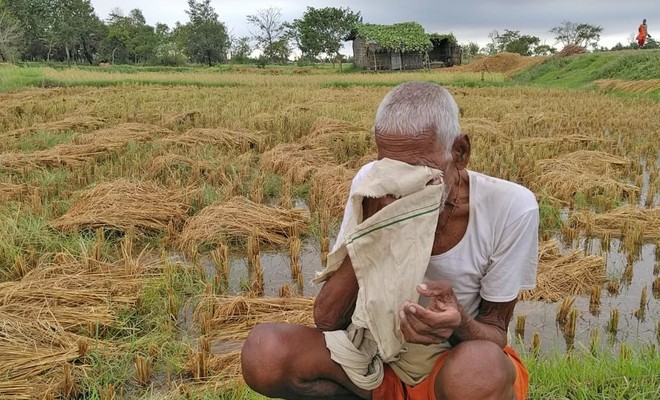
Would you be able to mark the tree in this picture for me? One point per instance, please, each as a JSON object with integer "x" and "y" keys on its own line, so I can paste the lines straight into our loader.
{"x": 78, "y": 29}
{"x": 205, "y": 37}
{"x": 544, "y": 50}
{"x": 513, "y": 42}
{"x": 578, "y": 34}
{"x": 491, "y": 48}
{"x": 470, "y": 49}
{"x": 323, "y": 30}
{"x": 241, "y": 49}
{"x": 35, "y": 18}
{"x": 270, "y": 29}
{"x": 10, "y": 36}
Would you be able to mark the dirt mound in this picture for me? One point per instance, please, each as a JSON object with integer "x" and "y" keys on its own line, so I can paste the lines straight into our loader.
{"x": 570, "y": 50}
{"x": 506, "y": 63}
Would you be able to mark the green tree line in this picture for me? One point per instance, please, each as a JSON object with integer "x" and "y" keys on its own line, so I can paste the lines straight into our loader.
{"x": 71, "y": 31}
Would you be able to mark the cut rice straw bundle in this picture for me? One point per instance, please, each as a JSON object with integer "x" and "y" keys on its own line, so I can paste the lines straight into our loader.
{"x": 587, "y": 172}
{"x": 630, "y": 220}
{"x": 125, "y": 205}
{"x": 75, "y": 293}
{"x": 121, "y": 134}
{"x": 9, "y": 191}
{"x": 61, "y": 155}
{"x": 77, "y": 124}
{"x": 297, "y": 161}
{"x": 233, "y": 317}
{"x": 16, "y": 390}
{"x": 38, "y": 350}
{"x": 561, "y": 275}
{"x": 169, "y": 165}
{"x": 561, "y": 140}
{"x": 241, "y": 218}
{"x": 323, "y": 126}
{"x": 227, "y": 138}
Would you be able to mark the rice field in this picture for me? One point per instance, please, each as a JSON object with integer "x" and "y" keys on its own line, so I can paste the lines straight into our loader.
{"x": 148, "y": 220}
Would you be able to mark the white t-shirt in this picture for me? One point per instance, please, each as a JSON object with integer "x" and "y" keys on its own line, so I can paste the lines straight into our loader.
{"x": 498, "y": 255}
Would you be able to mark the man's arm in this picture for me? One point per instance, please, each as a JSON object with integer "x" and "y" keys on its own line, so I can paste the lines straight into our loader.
{"x": 490, "y": 324}
{"x": 335, "y": 303}
{"x": 445, "y": 319}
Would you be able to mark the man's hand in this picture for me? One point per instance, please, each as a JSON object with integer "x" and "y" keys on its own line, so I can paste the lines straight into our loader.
{"x": 437, "y": 322}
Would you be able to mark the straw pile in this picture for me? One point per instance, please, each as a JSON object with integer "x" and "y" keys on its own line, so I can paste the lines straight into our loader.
{"x": 9, "y": 191}
{"x": 296, "y": 161}
{"x": 232, "y": 318}
{"x": 227, "y": 138}
{"x": 173, "y": 166}
{"x": 60, "y": 155}
{"x": 502, "y": 63}
{"x": 43, "y": 316}
{"x": 77, "y": 124}
{"x": 570, "y": 50}
{"x": 124, "y": 205}
{"x": 182, "y": 119}
{"x": 561, "y": 141}
{"x": 83, "y": 148}
{"x": 16, "y": 390}
{"x": 561, "y": 275}
{"x": 242, "y": 218}
{"x": 624, "y": 221}
{"x": 586, "y": 172}
{"x": 72, "y": 294}
{"x": 35, "y": 350}
{"x": 121, "y": 134}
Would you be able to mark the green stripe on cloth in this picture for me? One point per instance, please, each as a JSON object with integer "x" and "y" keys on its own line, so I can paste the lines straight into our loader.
{"x": 394, "y": 220}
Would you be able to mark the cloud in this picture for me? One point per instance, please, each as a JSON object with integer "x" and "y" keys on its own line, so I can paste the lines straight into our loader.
{"x": 469, "y": 21}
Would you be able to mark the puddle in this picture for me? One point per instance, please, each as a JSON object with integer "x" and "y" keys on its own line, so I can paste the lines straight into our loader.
{"x": 540, "y": 316}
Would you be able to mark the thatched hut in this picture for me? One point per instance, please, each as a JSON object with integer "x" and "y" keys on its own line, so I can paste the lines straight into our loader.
{"x": 402, "y": 46}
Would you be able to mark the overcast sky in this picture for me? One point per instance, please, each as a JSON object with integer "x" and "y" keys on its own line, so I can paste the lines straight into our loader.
{"x": 470, "y": 20}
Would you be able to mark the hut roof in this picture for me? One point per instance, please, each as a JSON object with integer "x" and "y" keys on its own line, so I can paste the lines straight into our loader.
{"x": 404, "y": 37}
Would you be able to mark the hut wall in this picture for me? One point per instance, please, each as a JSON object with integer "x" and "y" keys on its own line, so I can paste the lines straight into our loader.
{"x": 360, "y": 56}
{"x": 412, "y": 61}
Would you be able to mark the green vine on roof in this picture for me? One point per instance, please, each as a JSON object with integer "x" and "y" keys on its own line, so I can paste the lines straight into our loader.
{"x": 403, "y": 37}
{"x": 442, "y": 36}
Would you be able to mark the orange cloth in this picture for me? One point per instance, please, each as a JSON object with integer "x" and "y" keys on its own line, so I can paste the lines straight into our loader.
{"x": 393, "y": 389}
{"x": 642, "y": 32}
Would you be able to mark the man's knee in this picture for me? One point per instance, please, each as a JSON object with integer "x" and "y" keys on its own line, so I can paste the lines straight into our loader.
{"x": 264, "y": 355}
{"x": 476, "y": 369}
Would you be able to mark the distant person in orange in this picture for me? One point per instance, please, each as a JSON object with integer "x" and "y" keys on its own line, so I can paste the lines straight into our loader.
{"x": 643, "y": 34}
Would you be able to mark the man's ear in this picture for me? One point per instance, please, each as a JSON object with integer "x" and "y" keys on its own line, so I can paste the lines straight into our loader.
{"x": 461, "y": 151}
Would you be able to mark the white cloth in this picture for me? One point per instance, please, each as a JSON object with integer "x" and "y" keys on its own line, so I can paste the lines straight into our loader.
{"x": 498, "y": 255}
{"x": 390, "y": 254}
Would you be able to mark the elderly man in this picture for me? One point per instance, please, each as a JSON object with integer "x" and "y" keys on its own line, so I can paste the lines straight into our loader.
{"x": 481, "y": 252}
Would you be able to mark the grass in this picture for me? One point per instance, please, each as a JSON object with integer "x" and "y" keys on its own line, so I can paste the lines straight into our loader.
{"x": 584, "y": 377}
{"x": 13, "y": 78}
{"x": 577, "y": 376}
{"x": 581, "y": 71}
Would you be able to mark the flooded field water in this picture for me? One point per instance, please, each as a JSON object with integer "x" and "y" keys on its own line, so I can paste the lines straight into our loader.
{"x": 635, "y": 328}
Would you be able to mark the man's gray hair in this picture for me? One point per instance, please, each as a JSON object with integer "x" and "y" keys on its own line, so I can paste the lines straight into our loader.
{"x": 414, "y": 107}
